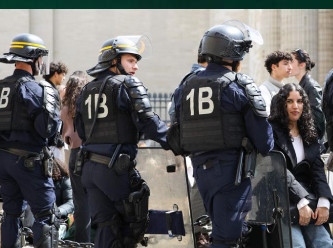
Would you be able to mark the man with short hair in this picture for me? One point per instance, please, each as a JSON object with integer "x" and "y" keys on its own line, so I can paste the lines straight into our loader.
{"x": 57, "y": 73}
{"x": 278, "y": 65}
{"x": 111, "y": 111}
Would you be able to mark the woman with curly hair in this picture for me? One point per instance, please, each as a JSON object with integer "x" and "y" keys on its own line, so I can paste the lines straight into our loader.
{"x": 81, "y": 207}
{"x": 296, "y": 137}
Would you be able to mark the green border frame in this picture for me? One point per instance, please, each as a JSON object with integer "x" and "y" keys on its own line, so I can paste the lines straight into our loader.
{"x": 165, "y": 4}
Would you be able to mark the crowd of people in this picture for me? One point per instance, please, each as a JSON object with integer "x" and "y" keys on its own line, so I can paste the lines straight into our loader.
{"x": 220, "y": 120}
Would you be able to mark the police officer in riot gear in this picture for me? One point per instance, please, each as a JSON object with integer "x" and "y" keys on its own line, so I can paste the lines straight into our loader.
{"x": 117, "y": 195}
{"x": 217, "y": 109}
{"x": 29, "y": 118}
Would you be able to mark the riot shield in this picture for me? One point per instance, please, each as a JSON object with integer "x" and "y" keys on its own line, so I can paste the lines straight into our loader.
{"x": 270, "y": 201}
{"x": 169, "y": 206}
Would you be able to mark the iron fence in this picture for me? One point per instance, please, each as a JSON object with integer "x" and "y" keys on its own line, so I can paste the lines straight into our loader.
{"x": 160, "y": 103}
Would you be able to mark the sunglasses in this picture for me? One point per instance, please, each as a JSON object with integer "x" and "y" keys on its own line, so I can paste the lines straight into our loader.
{"x": 300, "y": 54}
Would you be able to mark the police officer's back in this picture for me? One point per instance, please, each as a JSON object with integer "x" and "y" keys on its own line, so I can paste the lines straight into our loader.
{"x": 222, "y": 117}
{"x": 110, "y": 136}
{"x": 29, "y": 118}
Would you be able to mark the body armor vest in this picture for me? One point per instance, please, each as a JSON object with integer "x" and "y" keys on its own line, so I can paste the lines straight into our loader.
{"x": 13, "y": 113}
{"x": 204, "y": 124}
{"x": 112, "y": 125}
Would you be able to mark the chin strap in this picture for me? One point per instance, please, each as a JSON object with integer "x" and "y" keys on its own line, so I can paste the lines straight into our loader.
{"x": 120, "y": 67}
{"x": 33, "y": 67}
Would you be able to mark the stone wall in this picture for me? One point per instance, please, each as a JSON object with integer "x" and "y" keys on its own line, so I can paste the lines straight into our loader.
{"x": 75, "y": 36}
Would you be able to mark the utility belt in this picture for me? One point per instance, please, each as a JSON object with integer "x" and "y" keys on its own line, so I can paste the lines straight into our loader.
{"x": 23, "y": 153}
{"x": 101, "y": 159}
{"x": 121, "y": 165}
{"x": 30, "y": 158}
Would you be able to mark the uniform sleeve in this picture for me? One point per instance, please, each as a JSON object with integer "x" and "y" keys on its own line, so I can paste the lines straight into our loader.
{"x": 153, "y": 128}
{"x": 258, "y": 128}
{"x": 259, "y": 131}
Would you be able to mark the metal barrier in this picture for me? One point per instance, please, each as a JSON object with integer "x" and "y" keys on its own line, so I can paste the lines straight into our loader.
{"x": 160, "y": 103}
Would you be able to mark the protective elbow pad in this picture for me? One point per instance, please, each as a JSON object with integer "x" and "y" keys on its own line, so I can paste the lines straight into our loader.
{"x": 139, "y": 97}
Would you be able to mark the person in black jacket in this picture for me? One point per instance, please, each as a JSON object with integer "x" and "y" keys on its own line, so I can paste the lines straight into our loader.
{"x": 296, "y": 137}
{"x": 301, "y": 67}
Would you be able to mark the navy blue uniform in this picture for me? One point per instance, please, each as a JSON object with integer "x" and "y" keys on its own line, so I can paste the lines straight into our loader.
{"x": 215, "y": 170}
{"x": 106, "y": 190}
{"x": 18, "y": 182}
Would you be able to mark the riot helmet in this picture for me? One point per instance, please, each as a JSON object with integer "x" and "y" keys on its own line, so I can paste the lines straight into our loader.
{"x": 230, "y": 40}
{"x": 27, "y": 48}
{"x": 114, "y": 48}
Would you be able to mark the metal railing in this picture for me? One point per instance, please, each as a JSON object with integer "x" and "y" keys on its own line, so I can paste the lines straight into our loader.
{"x": 160, "y": 103}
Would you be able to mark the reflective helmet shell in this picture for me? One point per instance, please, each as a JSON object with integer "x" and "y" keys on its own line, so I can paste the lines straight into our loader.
{"x": 116, "y": 46}
{"x": 28, "y": 46}
{"x": 225, "y": 41}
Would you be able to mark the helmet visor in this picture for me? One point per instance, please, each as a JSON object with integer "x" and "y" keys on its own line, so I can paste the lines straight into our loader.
{"x": 249, "y": 33}
{"x": 143, "y": 44}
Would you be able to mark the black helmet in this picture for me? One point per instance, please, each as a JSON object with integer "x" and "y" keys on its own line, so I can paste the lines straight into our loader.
{"x": 119, "y": 45}
{"x": 111, "y": 49}
{"x": 224, "y": 41}
{"x": 230, "y": 40}
{"x": 26, "y": 48}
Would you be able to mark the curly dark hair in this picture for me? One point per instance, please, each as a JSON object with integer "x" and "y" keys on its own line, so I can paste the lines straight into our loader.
{"x": 73, "y": 88}
{"x": 280, "y": 117}
{"x": 59, "y": 67}
{"x": 274, "y": 58}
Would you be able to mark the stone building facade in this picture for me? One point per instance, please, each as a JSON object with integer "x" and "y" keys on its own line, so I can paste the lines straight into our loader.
{"x": 75, "y": 36}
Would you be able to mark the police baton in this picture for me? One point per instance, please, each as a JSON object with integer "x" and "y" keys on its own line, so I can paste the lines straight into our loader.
{"x": 239, "y": 167}
{"x": 114, "y": 156}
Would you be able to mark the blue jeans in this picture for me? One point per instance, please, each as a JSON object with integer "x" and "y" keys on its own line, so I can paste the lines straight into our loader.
{"x": 310, "y": 236}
